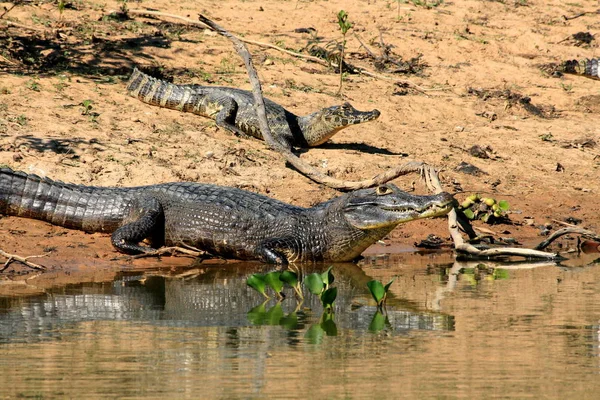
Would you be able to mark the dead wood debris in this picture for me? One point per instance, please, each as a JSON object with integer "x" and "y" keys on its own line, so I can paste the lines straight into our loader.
{"x": 511, "y": 99}
{"x": 23, "y": 260}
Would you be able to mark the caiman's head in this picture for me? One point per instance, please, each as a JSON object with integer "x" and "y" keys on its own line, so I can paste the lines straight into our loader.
{"x": 387, "y": 206}
{"x": 319, "y": 126}
{"x": 370, "y": 214}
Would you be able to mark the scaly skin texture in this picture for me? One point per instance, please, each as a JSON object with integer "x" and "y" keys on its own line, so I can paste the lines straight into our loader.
{"x": 223, "y": 221}
{"x": 233, "y": 109}
{"x": 587, "y": 67}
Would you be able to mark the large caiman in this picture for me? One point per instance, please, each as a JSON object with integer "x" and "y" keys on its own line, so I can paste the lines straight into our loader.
{"x": 222, "y": 221}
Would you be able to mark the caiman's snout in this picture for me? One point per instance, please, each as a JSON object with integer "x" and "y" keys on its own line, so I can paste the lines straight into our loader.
{"x": 345, "y": 115}
{"x": 386, "y": 205}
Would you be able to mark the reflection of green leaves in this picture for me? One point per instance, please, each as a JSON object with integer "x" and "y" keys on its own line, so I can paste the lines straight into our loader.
{"x": 328, "y": 297}
{"x": 272, "y": 279}
{"x": 315, "y": 334}
{"x": 328, "y": 324}
{"x": 500, "y": 273}
{"x": 378, "y": 322}
{"x": 274, "y": 315}
{"x": 290, "y": 321}
{"x": 257, "y": 282}
{"x": 314, "y": 283}
{"x": 256, "y": 315}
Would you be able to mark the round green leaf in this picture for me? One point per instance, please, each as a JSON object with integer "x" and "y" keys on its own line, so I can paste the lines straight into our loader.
{"x": 272, "y": 279}
{"x": 503, "y": 204}
{"x": 314, "y": 283}
{"x": 257, "y": 282}
{"x": 377, "y": 290}
{"x": 468, "y": 213}
{"x": 289, "y": 277}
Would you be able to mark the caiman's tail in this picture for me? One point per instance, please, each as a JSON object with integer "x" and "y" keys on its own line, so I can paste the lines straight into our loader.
{"x": 87, "y": 208}
{"x": 160, "y": 93}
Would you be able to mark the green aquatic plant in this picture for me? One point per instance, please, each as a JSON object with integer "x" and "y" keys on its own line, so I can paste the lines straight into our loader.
{"x": 291, "y": 279}
{"x": 379, "y": 292}
{"x": 486, "y": 209}
{"x": 318, "y": 284}
{"x": 258, "y": 283}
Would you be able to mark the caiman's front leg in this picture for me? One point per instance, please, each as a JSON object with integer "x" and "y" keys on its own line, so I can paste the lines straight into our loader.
{"x": 225, "y": 118}
{"x": 146, "y": 220}
{"x": 279, "y": 251}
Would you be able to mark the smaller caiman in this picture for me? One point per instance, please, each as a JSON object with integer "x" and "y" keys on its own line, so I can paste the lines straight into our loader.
{"x": 233, "y": 109}
{"x": 223, "y": 221}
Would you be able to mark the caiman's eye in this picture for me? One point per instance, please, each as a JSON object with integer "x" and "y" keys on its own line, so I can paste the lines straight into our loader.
{"x": 382, "y": 190}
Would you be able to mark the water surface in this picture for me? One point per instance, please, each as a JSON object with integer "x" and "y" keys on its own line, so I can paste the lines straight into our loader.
{"x": 452, "y": 331}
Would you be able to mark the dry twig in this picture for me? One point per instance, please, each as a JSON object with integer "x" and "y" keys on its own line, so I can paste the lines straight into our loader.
{"x": 567, "y": 18}
{"x": 564, "y": 231}
{"x": 22, "y": 260}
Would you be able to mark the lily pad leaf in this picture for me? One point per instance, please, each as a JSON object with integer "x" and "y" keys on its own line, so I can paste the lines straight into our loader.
{"x": 314, "y": 283}
{"x": 272, "y": 279}
{"x": 289, "y": 277}
{"x": 257, "y": 282}
{"x": 377, "y": 290}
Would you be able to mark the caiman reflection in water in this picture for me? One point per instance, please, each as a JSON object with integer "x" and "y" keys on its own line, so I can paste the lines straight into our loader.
{"x": 218, "y": 296}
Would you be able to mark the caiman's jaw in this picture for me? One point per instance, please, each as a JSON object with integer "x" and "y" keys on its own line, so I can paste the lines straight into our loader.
{"x": 386, "y": 205}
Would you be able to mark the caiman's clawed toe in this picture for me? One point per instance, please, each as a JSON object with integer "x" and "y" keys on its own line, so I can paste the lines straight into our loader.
{"x": 221, "y": 220}
{"x": 233, "y": 109}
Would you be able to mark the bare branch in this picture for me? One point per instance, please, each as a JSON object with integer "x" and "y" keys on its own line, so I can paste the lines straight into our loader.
{"x": 461, "y": 247}
{"x": 565, "y": 231}
{"x": 22, "y": 260}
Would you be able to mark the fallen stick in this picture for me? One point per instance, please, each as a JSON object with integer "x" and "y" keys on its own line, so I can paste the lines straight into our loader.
{"x": 471, "y": 251}
{"x": 22, "y": 260}
{"x": 565, "y": 231}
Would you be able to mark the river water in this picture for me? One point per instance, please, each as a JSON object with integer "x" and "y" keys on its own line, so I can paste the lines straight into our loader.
{"x": 451, "y": 330}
